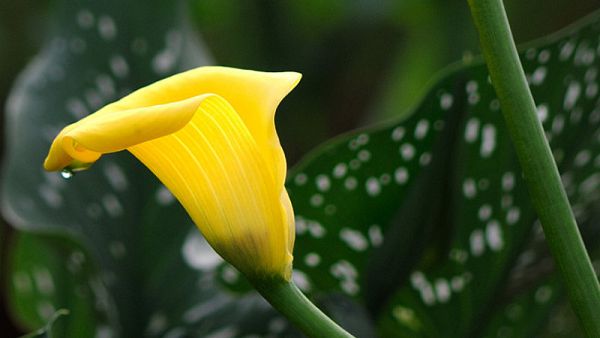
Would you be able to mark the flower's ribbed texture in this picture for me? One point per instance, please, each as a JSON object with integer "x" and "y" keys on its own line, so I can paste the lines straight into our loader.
{"x": 208, "y": 134}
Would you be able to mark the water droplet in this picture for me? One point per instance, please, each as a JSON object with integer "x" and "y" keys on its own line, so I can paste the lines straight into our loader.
{"x": 67, "y": 173}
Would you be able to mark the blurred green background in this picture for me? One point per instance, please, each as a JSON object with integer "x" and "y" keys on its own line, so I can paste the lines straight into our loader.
{"x": 361, "y": 60}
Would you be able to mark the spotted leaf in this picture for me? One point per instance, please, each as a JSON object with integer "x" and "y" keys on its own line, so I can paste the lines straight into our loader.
{"x": 493, "y": 224}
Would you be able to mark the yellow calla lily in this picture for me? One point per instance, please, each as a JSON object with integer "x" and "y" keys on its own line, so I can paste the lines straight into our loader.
{"x": 208, "y": 134}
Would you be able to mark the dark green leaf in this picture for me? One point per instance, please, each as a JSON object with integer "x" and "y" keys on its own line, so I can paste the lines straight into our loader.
{"x": 491, "y": 226}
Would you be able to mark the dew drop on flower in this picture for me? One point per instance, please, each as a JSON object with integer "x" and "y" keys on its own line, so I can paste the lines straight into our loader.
{"x": 67, "y": 173}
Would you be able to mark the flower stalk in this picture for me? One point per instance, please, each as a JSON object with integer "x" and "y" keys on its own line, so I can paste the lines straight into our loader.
{"x": 539, "y": 168}
{"x": 291, "y": 302}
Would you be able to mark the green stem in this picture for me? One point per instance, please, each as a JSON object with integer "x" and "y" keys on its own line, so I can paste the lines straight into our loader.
{"x": 291, "y": 302}
{"x": 541, "y": 173}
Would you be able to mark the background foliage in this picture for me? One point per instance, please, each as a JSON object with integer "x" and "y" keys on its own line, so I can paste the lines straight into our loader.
{"x": 362, "y": 62}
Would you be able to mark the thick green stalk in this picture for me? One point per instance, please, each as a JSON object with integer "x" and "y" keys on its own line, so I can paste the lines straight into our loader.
{"x": 541, "y": 174}
{"x": 291, "y": 302}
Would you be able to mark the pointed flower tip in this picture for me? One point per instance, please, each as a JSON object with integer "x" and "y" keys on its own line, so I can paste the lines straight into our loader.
{"x": 287, "y": 81}
{"x": 293, "y": 78}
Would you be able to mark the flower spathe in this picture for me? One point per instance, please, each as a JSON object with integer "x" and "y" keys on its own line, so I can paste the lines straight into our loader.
{"x": 208, "y": 134}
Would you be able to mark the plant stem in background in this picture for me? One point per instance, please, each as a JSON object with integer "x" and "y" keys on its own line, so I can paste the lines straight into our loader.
{"x": 291, "y": 302}
{"x": 541, "y": 173}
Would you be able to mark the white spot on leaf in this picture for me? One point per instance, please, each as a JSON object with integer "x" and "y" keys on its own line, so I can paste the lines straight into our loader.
{"x": 485, "y": 211}
{"x": 354, "y": 239}
{"x": 350, "y": 183}
{"x": 442, "y": 290}
{"x": 50, "y": 196}
{"x": 364, "y": 155}
{"x": 116, "y": 176}
{"x": 107, "y": 27}
{"x": 513, "y": 215}
{"x": 373, "y": 186}
{"x": 469, "y": 188}
{"x": 446, "y": 101}
{"x": 407, "y": 151}
{"x": 398, "y": 134}
{"x": 323, "y": 183}
{"x": 301, "y": 280}
{"x": 375, "y": 235}
{"x": 312, "y": 259}
{"x": 198, "y": 254}
{"x": 472, "y": 130}
{"x": 538, "y": 76}
{"x": 401, "y": 175}
{"x": 542, "y": 112}
{"x": 488, "y": 143}
{"x": 315, "y": 229}
{"x": 112, "y": 205}
{"x": 119, "y": 66}
{"x": 421, "y": 129}
{"x": 572, "y": 95}
{"x": 316, "y": 200}
{"x": 164, "y": 196}
{"x": 300, "y": 179}
{"x": 477, "y": 243}
{"x": 493, "y": 235}
{"x": 340, "y": 170}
